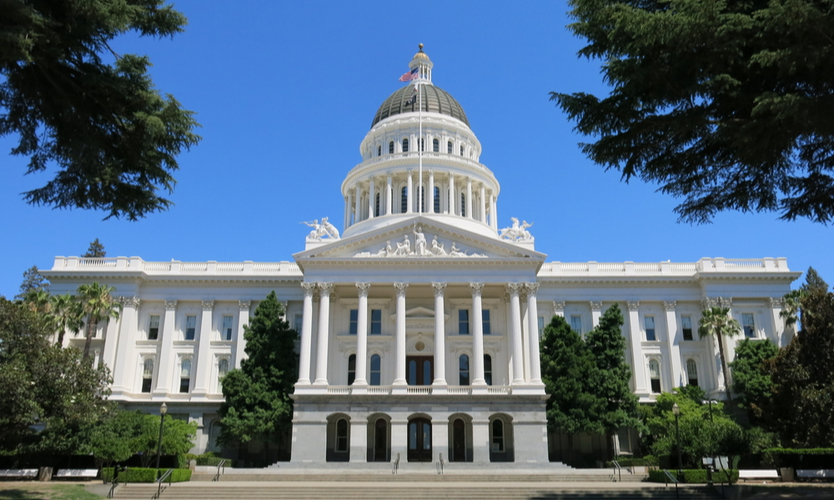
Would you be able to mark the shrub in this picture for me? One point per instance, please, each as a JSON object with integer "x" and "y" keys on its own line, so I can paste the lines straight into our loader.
{"x": 140, "y": 475}
{"x": 633, "y": 462}
{"x": 798, "y": 458}
{"x": 691, "y": 476}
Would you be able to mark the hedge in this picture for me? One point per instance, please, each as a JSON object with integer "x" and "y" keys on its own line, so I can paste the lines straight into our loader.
{"x": 798, "y": 458}
{"x": 632, "y": 462}
{"x": 138, "y": 475}
{"x": 214, "y": 461}
{"x": 692, "y": 476}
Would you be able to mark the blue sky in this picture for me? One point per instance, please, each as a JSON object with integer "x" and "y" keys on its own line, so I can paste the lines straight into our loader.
{"x": 285, "y": 92}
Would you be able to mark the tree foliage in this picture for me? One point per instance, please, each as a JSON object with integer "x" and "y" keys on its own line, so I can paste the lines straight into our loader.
{"x": 96, "y": 249}
{"x": 33, "y": 281}
{"x": 751, "y": 380}
{"x": 128, "y": 433}
{"x": 257, "y": 396}
{"x": 97, "y": 304}
{"x": 717, "y": 322}
{"x": 814, "y": 282}
{"x": 111, "y": 135}
{"x": 724, "y": 104}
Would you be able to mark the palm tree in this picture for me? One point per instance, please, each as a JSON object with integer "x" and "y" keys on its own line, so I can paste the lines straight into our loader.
{"x": 97, "y": 304}
{"x": 38, "y": 301}
{"x": 67, "y": 314}
{"x": 716, "y": 321}
{"x": 792, "y": 313}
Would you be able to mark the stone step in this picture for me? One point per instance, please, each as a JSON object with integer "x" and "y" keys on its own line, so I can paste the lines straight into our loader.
{"x": 429, "y": 477}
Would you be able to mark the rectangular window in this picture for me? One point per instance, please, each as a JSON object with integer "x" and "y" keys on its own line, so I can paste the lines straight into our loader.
{"x": 541, "y": 325}
{"x": 153, "y": 328}
{"x": 463, "y": 322}
{"x": 147, "y": 375}
{"x": 185, "y": 375}
{"x": 576, "y": 323}
{"x": 654, "y": 376}
{"x": 190, "y": 327}
{"x": 485, "y": 320}
{"x": 686, "y": 326}
{"x": 749, "y": 325}
{"x": 297, "y": 322}
{"x": 650, "y": 334}
{"x": 226, "y": 334}
{"x": 354, "y": 320}
{"x": 376, "y": 321}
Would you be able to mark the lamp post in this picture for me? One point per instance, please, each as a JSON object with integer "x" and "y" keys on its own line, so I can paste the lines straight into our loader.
{"x": 677, "y": 411}
{"x": 162, "y": 411}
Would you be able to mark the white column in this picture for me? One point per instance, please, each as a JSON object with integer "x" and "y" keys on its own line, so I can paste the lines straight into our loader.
{"x": 482, "y": 204}
{"x": 469, "y": 197}
{"x": 347, "y": 214}
{"x": 533, "y": 327}
{"x": 166, "y": 349}
{"x": 430, "y": 208}
{"x": 357, "y": 207}
{"x": 242, "y": 321}
{"x": 439, "y": 335}
{"x": 453, "y": 201}
{"x": 780, "y": 335}
{"x": 371, "y": 200}
{"x": 305, "y": 350}
{"x": 362, "y": 335}
{"x": 673, "y": 341}
{"x": 204, "y": 349}
{"x": 637, "y": 360}
{"x": 477, "y": 335}
{"x": 409, "y": 197}
{"x": 515, "y": 333}
{"x": 324, "y": 332}
{"x": 126, "y": 351}
{"x": 400, "y": 335}
{"x": 494, "y": 213}
{"x": 596, "y": 312}
{"x": 389, "y": 193}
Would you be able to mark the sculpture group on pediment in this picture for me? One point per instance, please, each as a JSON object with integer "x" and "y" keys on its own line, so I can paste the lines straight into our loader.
{"x": 421, "y": 248}
{"x": 321, "y": 230}
{"x": 518, "y": 232}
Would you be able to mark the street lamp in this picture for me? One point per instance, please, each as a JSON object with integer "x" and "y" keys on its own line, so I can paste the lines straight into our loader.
{"x": 162, "y": 411}
{"x": 677, "y": 411}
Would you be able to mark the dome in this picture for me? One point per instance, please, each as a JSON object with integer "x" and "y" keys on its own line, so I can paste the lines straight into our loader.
{"x": 435, "y": 100}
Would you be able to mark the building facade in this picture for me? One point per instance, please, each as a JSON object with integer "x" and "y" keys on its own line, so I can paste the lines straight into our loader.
{"x": 420, "y": 322}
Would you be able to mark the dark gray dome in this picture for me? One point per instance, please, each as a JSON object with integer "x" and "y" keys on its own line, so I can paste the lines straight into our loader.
{"x": 434, "y": 99}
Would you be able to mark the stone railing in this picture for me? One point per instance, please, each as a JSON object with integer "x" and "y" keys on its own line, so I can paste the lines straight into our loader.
{"x": 703, "y": 266}
{"x": 456, "y": 390}
{"x": 175, "y": 267}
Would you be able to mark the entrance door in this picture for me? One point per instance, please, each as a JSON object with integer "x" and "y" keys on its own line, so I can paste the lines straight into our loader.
{"x": 458, "y": 441}
{"x": 420, "y": 369}
{"x": 380, "y": 440}
{"x": 419, "y": 440}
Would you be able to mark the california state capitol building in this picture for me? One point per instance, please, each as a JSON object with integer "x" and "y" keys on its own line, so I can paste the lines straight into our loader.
{"x": 419, "y": 321}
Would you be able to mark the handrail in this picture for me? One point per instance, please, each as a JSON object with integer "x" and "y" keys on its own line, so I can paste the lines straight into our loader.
{"x": 115, "y": 481}
{"x": 221, "y": 464}
{"x": 396, "y": 464}
{"x": 618, "y": 471}
{"x": 159, "y": 488}
{"x": 440, "y": 463}
{"x": 670, "y": 477}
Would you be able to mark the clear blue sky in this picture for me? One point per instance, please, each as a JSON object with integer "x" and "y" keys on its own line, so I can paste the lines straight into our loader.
{"x": 285, "y": 92}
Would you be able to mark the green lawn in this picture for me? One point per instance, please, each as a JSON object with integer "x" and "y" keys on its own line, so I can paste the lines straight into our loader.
{"x": 45, "y": 491}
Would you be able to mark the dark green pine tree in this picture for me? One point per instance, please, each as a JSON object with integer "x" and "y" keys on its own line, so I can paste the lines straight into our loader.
{"x": 257, "y": 396}
{"x": 813, "y": 281}
{"x": 96, "y": 249}
{"x": 607, "y": 346}
{"x": 33, "y": 281}
{"x": 569, "y": 372}
{"x": 751, "y": 381}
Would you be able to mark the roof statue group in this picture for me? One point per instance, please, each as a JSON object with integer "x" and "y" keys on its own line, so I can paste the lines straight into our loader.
{"x": 517, "y": 233}
{"x": 421, "y": 248}
{"x": 321, "y": 230}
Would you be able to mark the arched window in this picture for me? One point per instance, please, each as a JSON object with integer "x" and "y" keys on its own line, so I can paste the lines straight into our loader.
{"x": 222, "y": 368}
{"x": 379, "y": 150}
{"x": 405, "y": 145}
{"x": 404, "y": 200}
{"x": 436, "y": 200}
{"x": 463, "y": 204}
{"x": 435, "y": 145}
{"x": 342, "y": 435}
{"x": 376, "y": 205}
{"x": 449, "y": 147}
{"x": 463, "y": 369}
{"x": 185, "y": 375}
{"x": 692, "y": 372}
{"x": 488, "y": 369}
{"x": 147, "y": 375}
{"x": 391, "y": 147}
{"x": 654, "y": 375}
{"x": 498, "y": 435}
{"x": 461, "y": 149}
{"x": 376, "y": 370}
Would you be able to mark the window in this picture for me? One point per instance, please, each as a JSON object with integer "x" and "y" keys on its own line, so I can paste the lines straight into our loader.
{"x": 376, "y": 321}
{"x": 650, "y": 334}
{"x": 654, "y": 375}
{"x": 422, "y": 144}
{"x": 153, "y": 328}
{"x": 351, "y": 369}
{"x": 376, "y": 205}
{"x": 222, "y": 368}
{"x": 488, "y": 369}
{"x": 435, "y": 145}
{"x": 404, "y": 200}
{"x": 497, "y": 435}
{"x": 686, "y": 326}
{"x": 226, "y": 334}
{"x": 405, "y": 145}
{"x": 379, "y": 150}
{"x": 463, "y": 322}
{"x": 147, "y": 375}
{"x": 463, "y": 370}
{"x": 541, "y": 325}
{"x": 298, "y": 320}
{"x": 449, "y": 147}
{"x": 487, "y": 327}
{"x": 576, "y": 323}
{"x": 376, "y": 370}
{"x": 463, "y": 205}
{"x": 190, "y": 327}
{"x": 461, "y": 149}
{"x": 354, "y": 318}
{"x": 748, "y": 325}
{"x": 185, "y": 375}
{"x": 391, "y": 148}
{"x": 436, "y": 200}
{"x": 342, "y": 435}
{"x": 692, "y": 372}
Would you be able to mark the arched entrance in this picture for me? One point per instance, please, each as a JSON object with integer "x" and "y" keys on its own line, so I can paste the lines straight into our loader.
{"x": 380, "y": 449}
{"x": 419, "y": 440}
{"x": 458, "y": 440}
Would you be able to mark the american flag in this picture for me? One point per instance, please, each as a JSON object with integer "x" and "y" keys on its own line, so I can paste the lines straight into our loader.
{"x": 410, "y": 75}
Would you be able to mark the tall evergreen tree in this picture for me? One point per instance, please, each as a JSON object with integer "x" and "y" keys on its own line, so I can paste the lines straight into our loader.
{"x": 33, "y": 280}
{"x": 257, "y": 396}
{"x": 813, "y": 282}
{"x": 96, "y": 249}
{"x": 751, "y": 381}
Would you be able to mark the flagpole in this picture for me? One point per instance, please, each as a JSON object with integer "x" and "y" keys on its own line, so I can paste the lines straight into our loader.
{"x": 420, "y": 147}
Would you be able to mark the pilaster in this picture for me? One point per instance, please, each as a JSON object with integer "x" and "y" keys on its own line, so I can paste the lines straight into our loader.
{"x": 637, "y": 360}
{"x": 243, "y": 320}
{"x": 166, "y": 350}
{"x": 673, "y": 338}
{"x": 204, "y": 350}
{"x": 439, "y": 338}
{"x": 399, "y": 378}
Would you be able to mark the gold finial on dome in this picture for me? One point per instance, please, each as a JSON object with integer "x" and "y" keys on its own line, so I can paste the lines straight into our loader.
{"x": 420, "y": 54}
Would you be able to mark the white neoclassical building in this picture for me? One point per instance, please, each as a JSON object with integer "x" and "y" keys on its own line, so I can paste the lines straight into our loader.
{"x": 420, "y": 322}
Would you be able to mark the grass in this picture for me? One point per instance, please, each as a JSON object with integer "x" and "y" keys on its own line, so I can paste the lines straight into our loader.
{"x": 45, "y": 491}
